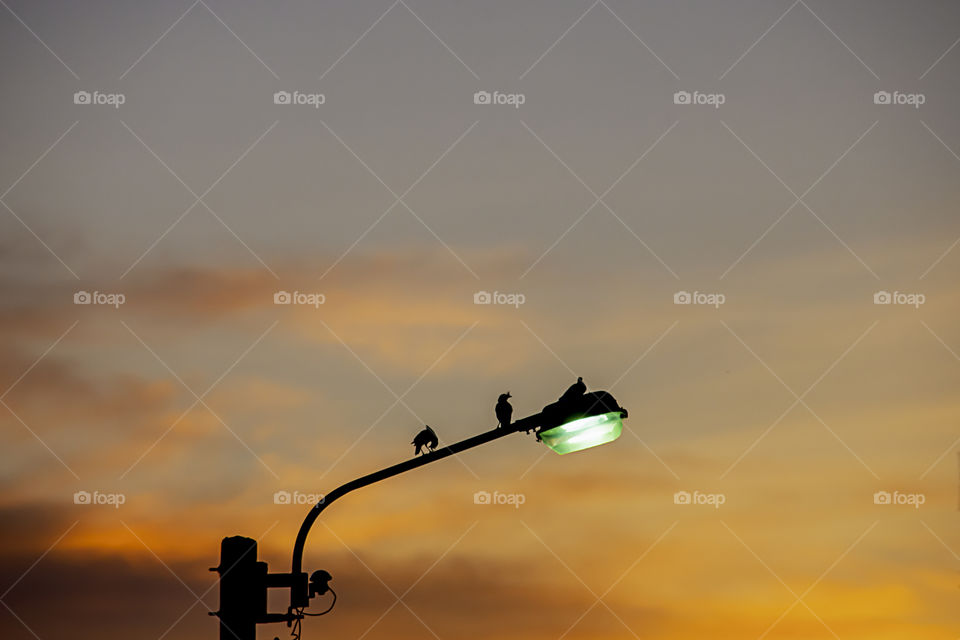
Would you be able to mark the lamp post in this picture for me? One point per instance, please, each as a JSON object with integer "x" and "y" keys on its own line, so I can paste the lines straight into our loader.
{"x": 568, "y": 425}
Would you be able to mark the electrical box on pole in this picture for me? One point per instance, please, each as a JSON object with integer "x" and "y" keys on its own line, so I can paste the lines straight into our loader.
{"x": 243, "y": 590}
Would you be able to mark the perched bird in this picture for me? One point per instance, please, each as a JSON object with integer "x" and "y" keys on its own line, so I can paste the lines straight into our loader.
{"x": 576, "y": 390}
{"x": 426, "y": 439}
{"x": 504, "y": 410}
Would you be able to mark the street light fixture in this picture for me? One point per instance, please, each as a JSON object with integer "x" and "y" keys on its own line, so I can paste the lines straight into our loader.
{"x": 582, "y": 422}
{"x": 584, "y": 433}
{"x": 570, "y": 424}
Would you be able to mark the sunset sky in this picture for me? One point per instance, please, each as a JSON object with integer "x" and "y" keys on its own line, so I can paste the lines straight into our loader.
{"x": 813, "y": 176}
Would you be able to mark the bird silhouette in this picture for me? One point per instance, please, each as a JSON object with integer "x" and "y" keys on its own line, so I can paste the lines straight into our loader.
{"x": 504, "y": 410}
{"x": 426, "y": 439}
{"x": 576, "y": 390}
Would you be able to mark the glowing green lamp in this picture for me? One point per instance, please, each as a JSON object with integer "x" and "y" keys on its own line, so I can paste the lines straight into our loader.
{"x": 584, "y": 433}
{"x": 573, "y": 424}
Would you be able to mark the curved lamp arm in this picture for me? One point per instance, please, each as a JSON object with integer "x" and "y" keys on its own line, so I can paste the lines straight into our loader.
{"x": 524, "y": 424}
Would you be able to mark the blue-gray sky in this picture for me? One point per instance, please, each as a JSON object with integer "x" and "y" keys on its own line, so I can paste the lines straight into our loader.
{"x": 789, "y": 187}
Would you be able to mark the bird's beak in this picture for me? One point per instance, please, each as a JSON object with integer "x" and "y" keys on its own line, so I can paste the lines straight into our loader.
{"x": 508, "y": 395}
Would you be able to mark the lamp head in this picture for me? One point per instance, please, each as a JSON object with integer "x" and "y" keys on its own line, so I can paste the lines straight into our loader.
{"x": 581, "y": 422}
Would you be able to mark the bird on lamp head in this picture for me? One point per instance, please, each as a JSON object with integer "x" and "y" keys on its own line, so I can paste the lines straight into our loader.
{"x": 504, "y": 410}
{"x": 426, "y": 439}
{"x": 576, "y": 390}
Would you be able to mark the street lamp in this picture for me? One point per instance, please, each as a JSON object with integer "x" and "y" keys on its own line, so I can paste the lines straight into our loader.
{"x": 584, "y": 433}
{"x": 582, "y": 422}
{"x": 568, "y": 425}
